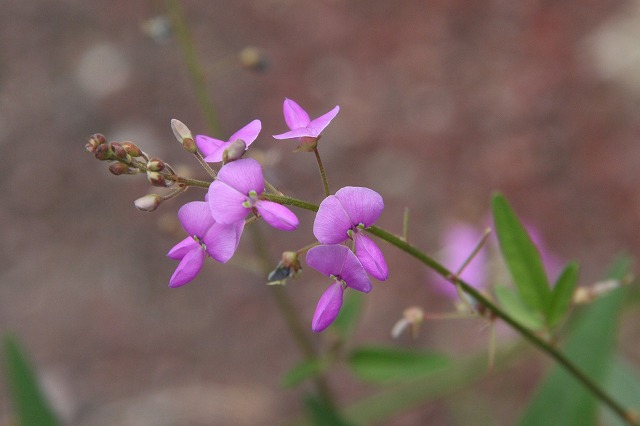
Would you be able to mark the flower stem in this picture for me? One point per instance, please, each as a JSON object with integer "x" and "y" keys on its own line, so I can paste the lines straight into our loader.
{"x": 323, "y": 175}
{"x": 196, "y": 72}
{"x": 624, "y": 414}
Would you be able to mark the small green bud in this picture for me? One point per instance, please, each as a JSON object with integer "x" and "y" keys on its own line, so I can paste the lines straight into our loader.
{"x": 95, "y": 141}
{"x": 103, "y": 152}
{"x": 117, "y": 168}
{"x": 132, "y": 149}
{"x": 119, "y": 151}
{"x": 156, "y": 179}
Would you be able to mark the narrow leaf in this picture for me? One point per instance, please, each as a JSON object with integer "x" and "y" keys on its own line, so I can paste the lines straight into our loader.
{"x": 521, "y": 256}
{"x": 624, "y": 385}
{"x": 380, "y": 364}
{"x": 511, "y": 301}
{"x": 562, "y": 293}
{"x": 29, "y": 403}
{"x": 562, "y": 399}
{"x": 302, "y": 371}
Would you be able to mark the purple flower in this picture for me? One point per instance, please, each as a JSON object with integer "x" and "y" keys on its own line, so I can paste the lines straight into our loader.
{"x": 214, "y": 148}
{"x": 206, "y": 237}
{"x": 344, "y": 216}
{"x": 459, "y": 241}
{"x": 340, "y": 264}
{"x": 236, "y": 191}
{"x": 300, "y": 124}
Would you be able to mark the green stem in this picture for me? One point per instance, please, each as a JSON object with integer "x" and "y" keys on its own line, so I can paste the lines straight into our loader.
{"x": 196, "y": 72}
{"x": 323, "y": 175}
{"x": 291, "y": 317}
{"x": 394, "y": 240}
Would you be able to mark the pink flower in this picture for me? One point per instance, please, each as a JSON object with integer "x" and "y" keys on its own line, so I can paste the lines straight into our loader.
{"x": 300, "y": 124}
{"x": 236, "y": 191}
{"x": 341, "y": 265}
{"x": 212, "y": 148}
{"x": 206, "y": 237}
{"x": 344, "y": 216}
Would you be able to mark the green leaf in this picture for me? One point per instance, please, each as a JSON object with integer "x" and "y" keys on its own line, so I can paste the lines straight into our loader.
{"x": 511, "y": 301}
{"x": 29, "y": 403}
{"x": 562, "y": 294}
{"x": 624, "y": 385}
{"x": 561, "y": 399}
{"x": 322, "y": 414}
{"x": 521, "y": 256}
{"x": 380, "y": 364}
{"x": 302, "y": 371}
{"x": 349, "y": 314}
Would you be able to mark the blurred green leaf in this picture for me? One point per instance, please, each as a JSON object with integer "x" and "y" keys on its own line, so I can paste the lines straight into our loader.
{"x": 561, "y": 399}
{"x": 562, "y": 294}
{"x": 624, "y": 385}
{"x": 322, "y": 414}
{"x": 382, "y": 364}
{"x": 521, "y": 256}
{"x": 349, "y": 314}
{"x": 302, "y": 371}
{"x": 29, "y": 403}
{"x": 511, "y": 302}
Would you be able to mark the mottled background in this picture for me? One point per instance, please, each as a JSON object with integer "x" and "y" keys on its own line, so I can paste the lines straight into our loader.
{"x": 442, "y": 102}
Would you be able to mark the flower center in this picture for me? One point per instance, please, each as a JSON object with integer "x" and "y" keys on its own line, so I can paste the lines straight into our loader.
{"x": 252, "y": 200}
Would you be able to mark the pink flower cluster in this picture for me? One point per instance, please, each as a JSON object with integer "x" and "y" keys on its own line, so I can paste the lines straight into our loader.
{"x": 216, "y": 224}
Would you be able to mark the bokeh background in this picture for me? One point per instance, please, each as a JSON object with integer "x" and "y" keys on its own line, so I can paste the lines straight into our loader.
{"x": 442, "y": 102}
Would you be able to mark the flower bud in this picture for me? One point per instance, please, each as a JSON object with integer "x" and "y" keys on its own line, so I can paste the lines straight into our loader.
{"x": 95, "y": 141}
{"x": 253, "y": 59}
{"x": 155, "y": 165}
{"x": 156, "y": 179}
{"x": 117, "y": 168}
{"x": 148, "y": 203}
{"x": 234, "y": 151}
{"x": 411, "y": 317}
{"x": 183, "y": 135}
{"x": 103, "y": 152}
{"x": 119, "y": 151}
{"x": 288, "y": 267}
{"x": 131, "y": 149}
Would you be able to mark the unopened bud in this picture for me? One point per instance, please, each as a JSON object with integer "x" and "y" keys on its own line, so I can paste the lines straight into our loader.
{"x": 148, "y": 203}
{"x": 180, "y": 130}
{"x": 253, "y": 59}
{"x": 119, "y": 151}
{"x": 189, "y": 145}
{"x": 103, "y": 152}
{"x": 155, "y": 165}
{"x": 118, "y": 168}
{"x": 288, "y": 267}
{"x": 131, "y": 149}
{"x": 156, "y": 179}
{"x": 234, "y": 151}
{"x": 95, "y": 141}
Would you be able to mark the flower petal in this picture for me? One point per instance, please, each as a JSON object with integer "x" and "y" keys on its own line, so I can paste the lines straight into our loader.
{"x": 225, "y": 203}
{"x": 215, "y": 155}
{"x": 363, "y": 205}
{"x": 354, "y": 274}
{"x": 188, "y": 268}
{"x": 294, "y": 115}
{"x": 332, "y": 222}
{"x": 319, "y": 124}
{"x": 371, "y": 257}
{"x": 196, "y": 218}
{"x": 328, "y": 307}
{"x": 243, "y": 175}
{"x": 296, "y": 133}
{"x": 327, "y": 259}
{"x": 207, "y": 144}
{"x": 248, "y": 133}
{"x": 180, "y": 250}
{"x": 277, "y": 216}
{"x": 221, "y": 241}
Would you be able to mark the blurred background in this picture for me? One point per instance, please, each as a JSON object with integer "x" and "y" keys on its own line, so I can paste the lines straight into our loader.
{"x": 442, "y": 102}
